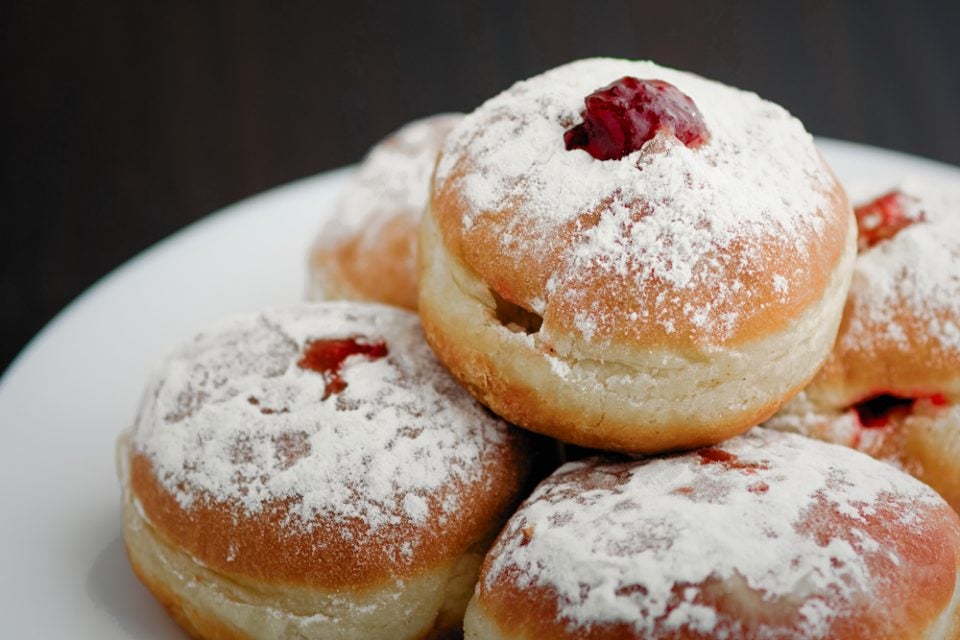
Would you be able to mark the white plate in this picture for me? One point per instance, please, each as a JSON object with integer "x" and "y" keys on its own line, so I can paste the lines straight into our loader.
{"x": 63, "y": 573}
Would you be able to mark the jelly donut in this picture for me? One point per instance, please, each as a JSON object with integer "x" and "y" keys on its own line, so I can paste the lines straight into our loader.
{"x": 768, "y": 535}
{"x": 367, "y": 250}
{"x": 891, "y": 387}
{"x": 314, "y": 473}
{"x": 636, "y": 275}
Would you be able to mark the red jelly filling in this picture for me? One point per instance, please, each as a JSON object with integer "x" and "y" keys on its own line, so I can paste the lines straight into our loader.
{"x": 622, "y": 116}
{"x": 712, "y": 455}
{"x": 327, "y": 356}
{"x": 879, "y": 411}
{"x": 885, "y": 217}
{"x": 939, "y": 400}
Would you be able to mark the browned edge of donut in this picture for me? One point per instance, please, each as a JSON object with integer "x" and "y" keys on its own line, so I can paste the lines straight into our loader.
{"x": 859, "y": 368}
{"x": 348, "y": 271}
{"x": 559, "y": 418}
{"x": 513, "y": 374}
{"x": 260, "y": 548}
{"x": 914, "y": 598}
{"x": 200, "y": 625}
{"x": 766, "y": 312}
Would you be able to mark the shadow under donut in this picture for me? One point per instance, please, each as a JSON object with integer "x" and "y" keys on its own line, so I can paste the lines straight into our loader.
{"x": 112, "y": 587}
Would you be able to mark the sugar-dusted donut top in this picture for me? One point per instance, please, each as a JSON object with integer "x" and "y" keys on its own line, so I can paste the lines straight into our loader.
{"x": 392, "y": 181}
{"x": 798, "y": 532}
{"x": 234, "y": 430}
{"x": 901, "y": 328}
{"x": 670, "y": 244}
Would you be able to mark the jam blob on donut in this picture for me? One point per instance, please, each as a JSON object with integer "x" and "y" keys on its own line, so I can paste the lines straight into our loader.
{"x": 644, "y": 304}
{"x": 327, "y": 356}
{"x": 881, "y": 410}
{"x": 621, "y": 117}
{"x": 312, "y": 472}
{"x": 885, "y": 216}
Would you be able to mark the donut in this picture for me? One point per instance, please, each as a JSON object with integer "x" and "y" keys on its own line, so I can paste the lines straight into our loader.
{"x": 900, "y": 333}
{"x": 920, "y": 436}
{"x": 367, "y": 249}
{"x": 768, "y": 535}
{"x": 634, "y": 276}
{"x": 891, "y": 386}
{"x": 314, "y": 473}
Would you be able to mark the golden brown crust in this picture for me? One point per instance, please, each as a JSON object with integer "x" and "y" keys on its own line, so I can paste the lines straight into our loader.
{"x": 367, "y": 249}
{"x": 656, "y": 299}
{"x": 264, "y": 547}
{"x": 670, "y": 246}
{"x": 249, "y": 460}
{"x": 897, "y": 338}
{"x": 899, "y": 331}
{"x": 220, "y": 601}
{"x": 912, "y": 593}
{"x": 912, "y": 604}
{"x": 624, "y": 398}
{"x": 869, "y": 360}
{"x": 203, "y": 624}
{"x": 619, "y": 301}
{"x": 353, "y": 271}
{"x": 485, "y": 377}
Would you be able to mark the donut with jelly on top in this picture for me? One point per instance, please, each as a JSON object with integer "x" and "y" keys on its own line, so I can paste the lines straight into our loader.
{"x": 625, "y": 256}
{"x": 314, "y": 473}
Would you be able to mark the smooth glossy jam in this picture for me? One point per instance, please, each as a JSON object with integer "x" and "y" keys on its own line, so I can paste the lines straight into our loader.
{"x": 327, "y": 356}
{"x": 885, "y": 217}
{"x": 624, "y": 115}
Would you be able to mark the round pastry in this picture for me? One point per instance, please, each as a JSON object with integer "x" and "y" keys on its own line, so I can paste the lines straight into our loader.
{"x": 314, "y": 473}
{"x": 634, "y": 276}
{"x": 891, "y": 387}
{"x": 768, "y": 535}
{"x": 920, "y": 436}
{"x": 367, "y": 250}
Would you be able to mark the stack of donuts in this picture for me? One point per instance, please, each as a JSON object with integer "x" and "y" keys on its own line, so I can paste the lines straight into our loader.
{"x": 534, "y": 411}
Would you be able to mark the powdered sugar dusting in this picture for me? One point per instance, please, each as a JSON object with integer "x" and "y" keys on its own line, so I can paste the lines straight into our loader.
{"x": 633, "y": 542}
{"x": 393, "y": 180}
{"x": 802, "y": 415}
{"x": 919, "y": 268}
{"x": 231, "y": 417}
{"x": 666, "y": 211}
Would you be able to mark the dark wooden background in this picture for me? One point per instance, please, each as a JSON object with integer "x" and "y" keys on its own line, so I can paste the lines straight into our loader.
{"x": 124, "y": 121}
